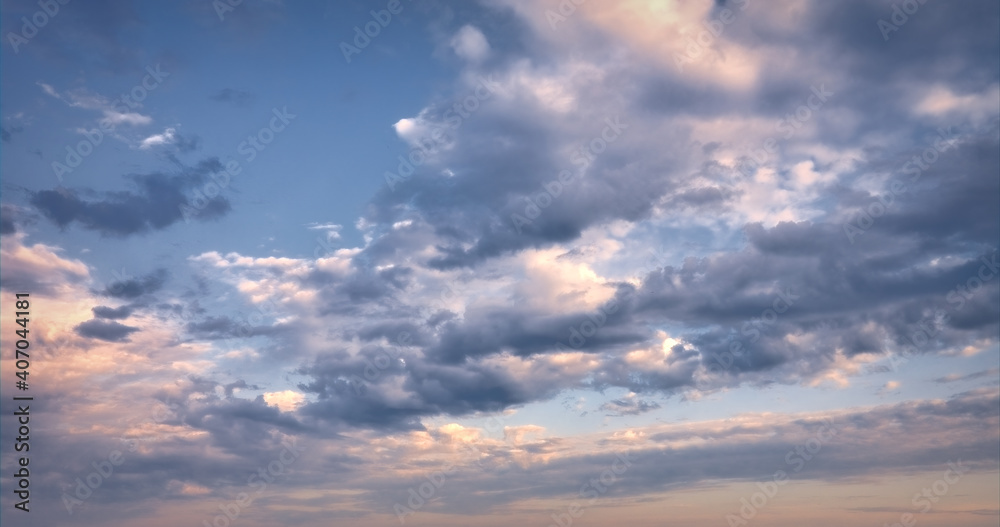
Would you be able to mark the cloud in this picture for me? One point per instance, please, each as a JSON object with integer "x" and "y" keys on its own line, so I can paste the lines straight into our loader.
{"x": 136, "y": 287}
{"x": 332, "y": 230}
{"x": 7, "y": 215}
{"x": 286, "y": 400}
{"x": 629, "y": 405}
{"x": 158, "y": 201}
{"x": 335, "y": 228}
{"x": 170, "y": 137}
{"x": 114, "y": 313}
{"x": 38, "y": 268}
{"x": 450, "y": 309}
{"x": 752, "y": 238}
{"x": 224, "y": 327}
{"x": 890, "y": 387}
{"x": 114, "y": 112}
{"x": 954, "y": 377}
{"x": 109, "y": 331}
{"x": 166, "y": 138}
{"x": 470, "y": 44}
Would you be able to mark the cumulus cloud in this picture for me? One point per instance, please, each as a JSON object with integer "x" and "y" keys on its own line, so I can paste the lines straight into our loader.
{"x": 38, "y": 267}
{"x": 505, "y": 270}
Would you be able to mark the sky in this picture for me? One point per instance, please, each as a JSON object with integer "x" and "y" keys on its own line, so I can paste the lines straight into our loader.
{"x": 503, "y": 262}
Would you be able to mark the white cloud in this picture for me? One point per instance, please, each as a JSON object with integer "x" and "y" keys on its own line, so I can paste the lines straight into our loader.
{"x": 168, "y": 137}
{"x": 470, "y": 44}
{"x": 113, "y": 111}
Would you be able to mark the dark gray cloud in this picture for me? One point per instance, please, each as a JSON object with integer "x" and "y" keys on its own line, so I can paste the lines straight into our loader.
{"x": 240, "y": 384}
{"x": 113, "y": 313}
{"x": 158, "y": 201}
{"x": 110, "y": 331}
{"x": 472, "y": 217}
{"x": 223, "y": 327}
{"x": 353, "y": 390}
{"x": 7, "y": 215}
{"x": 374, "y": 285}
{"x": 136, "y": 287}
{"x": 481, "y": 333}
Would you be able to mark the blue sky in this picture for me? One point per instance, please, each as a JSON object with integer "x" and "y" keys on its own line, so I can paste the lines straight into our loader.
{"x": 490, "y": 246}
